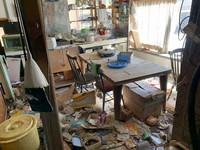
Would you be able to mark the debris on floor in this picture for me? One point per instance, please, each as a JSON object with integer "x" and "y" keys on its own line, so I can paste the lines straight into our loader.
{"x": 100, "y": 130}
{"x": 87, "y": 127}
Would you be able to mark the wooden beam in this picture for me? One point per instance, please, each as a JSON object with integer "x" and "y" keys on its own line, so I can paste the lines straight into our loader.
{"x": 189, "y": 64}
{"x": 3, "y": 108}
{"x": 33, "y": 20}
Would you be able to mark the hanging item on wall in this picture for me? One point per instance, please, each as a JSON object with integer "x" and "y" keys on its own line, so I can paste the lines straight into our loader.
{"x": 34, "y": 83}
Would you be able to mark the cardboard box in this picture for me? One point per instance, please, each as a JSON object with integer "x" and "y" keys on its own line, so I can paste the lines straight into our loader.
{"x": 143, "y": 99}
{"x": 83, "y": 99}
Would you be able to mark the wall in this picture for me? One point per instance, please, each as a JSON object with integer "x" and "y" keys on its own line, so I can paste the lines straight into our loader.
{"x": 56, "y": 17}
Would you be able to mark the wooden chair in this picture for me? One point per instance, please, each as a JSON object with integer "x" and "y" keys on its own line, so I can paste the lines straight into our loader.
{"x": 81, "y": 79}
{"x": 176, "y": 59}
{"x": 102, "y": 84}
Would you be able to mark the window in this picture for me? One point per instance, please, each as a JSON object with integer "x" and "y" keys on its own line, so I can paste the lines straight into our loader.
{"x": 160, "y": 23}
{"x": 177, "y": 38}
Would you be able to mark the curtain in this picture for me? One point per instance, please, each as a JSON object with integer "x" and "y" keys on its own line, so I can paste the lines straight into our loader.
{"x": 153, "y": 19}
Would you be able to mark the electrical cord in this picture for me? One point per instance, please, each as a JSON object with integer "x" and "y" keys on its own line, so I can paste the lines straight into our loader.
{"x": 180, "y": 14}
{"x": 180, "y": 30}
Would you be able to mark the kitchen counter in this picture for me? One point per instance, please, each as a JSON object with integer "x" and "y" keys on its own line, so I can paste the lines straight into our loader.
{"x": 102, "y": 43}
{"x": 91, "y": 45}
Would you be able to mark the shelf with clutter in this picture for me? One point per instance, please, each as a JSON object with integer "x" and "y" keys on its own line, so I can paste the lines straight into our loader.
{"x": 82, "y": 14}
{"x": 103, "y": 20}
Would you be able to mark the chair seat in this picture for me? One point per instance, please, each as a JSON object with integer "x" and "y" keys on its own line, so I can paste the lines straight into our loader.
{"x": 107, "y": 85}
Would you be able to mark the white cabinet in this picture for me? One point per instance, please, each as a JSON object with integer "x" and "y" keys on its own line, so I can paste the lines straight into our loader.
{"x": 7, "y": 10}
{"x": 2, "y": 10}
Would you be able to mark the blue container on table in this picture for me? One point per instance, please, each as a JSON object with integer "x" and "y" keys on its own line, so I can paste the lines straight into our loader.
{"x": 124, "y": 56}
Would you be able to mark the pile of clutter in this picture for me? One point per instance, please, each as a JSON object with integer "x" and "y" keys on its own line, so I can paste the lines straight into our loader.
{"x": 87, "y": 127}
{"x": 90, "y": 128}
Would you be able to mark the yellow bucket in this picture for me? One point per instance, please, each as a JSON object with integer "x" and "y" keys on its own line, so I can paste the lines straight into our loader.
{"x": 19, "y": 133}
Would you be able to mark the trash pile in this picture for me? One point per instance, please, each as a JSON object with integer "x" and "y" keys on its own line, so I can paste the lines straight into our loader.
{"x": 87, "y": 127}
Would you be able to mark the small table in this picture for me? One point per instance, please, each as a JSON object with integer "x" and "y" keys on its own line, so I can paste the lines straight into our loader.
{"x": 138, "y": 69}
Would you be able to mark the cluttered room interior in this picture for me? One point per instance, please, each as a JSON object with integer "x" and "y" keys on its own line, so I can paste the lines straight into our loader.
{"x": 99, "y": 74}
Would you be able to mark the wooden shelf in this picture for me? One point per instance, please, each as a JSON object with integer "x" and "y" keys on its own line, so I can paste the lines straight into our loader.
{"x": 63, "y": 83}
{"x": 81, "y": 20}
{"x": 82, "y": 14}
{"x": 83, "y": 8}
{"x": 3, "y": 19}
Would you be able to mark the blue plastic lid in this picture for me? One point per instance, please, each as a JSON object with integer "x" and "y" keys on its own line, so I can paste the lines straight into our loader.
{"x": 117, "y": 64}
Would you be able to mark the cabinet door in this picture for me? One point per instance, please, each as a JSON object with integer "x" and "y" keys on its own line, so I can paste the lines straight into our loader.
{"x": 59, "y": 63}
{"x": 58, "y": 59}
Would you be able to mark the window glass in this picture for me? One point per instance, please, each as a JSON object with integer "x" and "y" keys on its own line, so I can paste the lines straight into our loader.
{"x": 179, "y": 21}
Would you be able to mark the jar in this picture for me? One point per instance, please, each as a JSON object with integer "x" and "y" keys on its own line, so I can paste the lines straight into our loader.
{"x": 90, "y": 37}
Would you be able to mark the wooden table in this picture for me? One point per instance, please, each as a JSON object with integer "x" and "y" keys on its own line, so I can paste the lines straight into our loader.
{"x": 138, "y": 69}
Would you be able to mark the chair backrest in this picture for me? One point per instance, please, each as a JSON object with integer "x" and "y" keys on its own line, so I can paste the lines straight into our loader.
{"x": 76, "y": 69}
{"x": 176, "y": 57}
{"x": 97, "y": 72}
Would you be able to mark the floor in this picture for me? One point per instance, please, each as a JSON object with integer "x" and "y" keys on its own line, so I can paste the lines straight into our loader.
{"x": 97, "y": 129}
{"x": 90, "y": 121}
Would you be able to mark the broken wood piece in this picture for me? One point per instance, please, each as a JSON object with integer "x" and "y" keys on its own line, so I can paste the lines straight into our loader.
{"x": 176, "y": 143}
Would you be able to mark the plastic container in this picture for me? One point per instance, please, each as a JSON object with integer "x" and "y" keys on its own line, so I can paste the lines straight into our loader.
{"x": 84, "y": 30}
{"x": 124, "y": 56}
{"x": 19, "y": 133}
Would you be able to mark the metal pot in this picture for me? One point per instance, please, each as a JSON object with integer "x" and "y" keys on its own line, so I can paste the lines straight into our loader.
{"x": 90, "y": 37}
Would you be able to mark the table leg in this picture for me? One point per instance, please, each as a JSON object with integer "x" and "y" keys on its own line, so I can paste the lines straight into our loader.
{"x": 163, "y": 86}
{"x": 117, "y": 99}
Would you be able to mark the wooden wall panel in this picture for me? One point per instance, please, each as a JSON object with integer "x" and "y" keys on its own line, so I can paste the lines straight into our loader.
{"x": 3, "y": 108}
{"x": 33, "y": 20}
